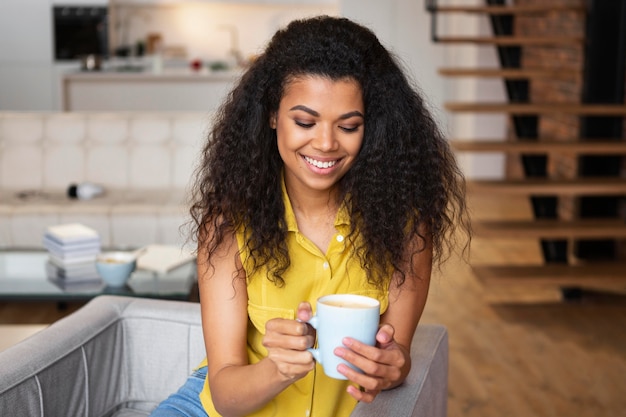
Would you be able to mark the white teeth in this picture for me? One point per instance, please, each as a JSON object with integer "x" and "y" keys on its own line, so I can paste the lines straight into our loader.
{"x": 320, "y": 164}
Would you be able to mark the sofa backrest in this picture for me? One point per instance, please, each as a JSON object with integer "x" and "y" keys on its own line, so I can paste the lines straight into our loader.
{"x": 125, "y": 150}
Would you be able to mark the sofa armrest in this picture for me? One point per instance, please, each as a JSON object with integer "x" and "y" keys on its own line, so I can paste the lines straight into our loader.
{"x": 113, "y": 352}
{"x": 425, "y": 390}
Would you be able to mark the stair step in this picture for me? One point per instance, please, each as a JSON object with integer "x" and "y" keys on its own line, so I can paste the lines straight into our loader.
{"x": 510, "y": 73}
{"x": 512, "y": 40}
{"x": 507, "y": 10}
{"x": 597, "y": 186}
{"x": 536, "y": 108}
{"x": 552, "y": 229}
{"x": 596, "y": 274}
{"x": 542, "y": 146}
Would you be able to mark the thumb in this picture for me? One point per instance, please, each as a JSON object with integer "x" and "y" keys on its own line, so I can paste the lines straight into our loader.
{"x": 305, "y": 312}
{"x": 385, "y": 335}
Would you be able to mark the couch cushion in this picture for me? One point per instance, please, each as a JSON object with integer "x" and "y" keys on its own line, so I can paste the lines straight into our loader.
{"x": 123, "y": 218}
{"x": 131, "y": 412}
{"x": 144, "y": 160}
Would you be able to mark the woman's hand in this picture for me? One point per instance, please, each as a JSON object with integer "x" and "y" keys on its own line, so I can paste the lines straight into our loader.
{"x": 384, "y": 365}
{"x": 286, "y": 342}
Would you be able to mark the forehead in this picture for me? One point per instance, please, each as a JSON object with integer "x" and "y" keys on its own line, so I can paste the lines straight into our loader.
{"x": 319, "y": 88}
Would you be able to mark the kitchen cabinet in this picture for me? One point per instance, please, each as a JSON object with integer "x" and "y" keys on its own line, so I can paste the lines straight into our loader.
{"x": 287, "y": 2}
{"x": 169, "y": 91}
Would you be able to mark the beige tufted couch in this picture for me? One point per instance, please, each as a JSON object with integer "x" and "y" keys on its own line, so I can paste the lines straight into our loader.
{"x": 143, "y": 160}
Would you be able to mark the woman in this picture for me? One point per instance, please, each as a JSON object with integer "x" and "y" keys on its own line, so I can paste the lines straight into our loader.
{"x": 324, "y": 173}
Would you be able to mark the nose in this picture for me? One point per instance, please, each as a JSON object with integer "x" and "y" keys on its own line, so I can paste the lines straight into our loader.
{"x": 325, "y": 140}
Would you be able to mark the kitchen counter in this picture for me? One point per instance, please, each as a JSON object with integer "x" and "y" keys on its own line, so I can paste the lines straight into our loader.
{"x": 138, "y": 74}
{"x": 128, "y": 89}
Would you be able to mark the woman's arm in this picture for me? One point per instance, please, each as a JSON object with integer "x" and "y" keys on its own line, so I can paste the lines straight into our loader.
{"x": 387, "y": 364}
{"x": 237, "y": 387}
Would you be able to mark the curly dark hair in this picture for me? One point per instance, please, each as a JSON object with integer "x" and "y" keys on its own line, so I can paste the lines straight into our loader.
{"x": 404, "y": 183}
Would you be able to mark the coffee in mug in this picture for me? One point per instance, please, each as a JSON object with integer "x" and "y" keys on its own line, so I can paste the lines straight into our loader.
{"x": 347, "y": 304}
{"x": 338, "y": 316}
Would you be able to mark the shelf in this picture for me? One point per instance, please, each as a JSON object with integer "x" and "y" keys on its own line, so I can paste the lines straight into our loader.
{"x": 596, "y": 274}
{"x": 508, "y": 10}
{"x": 548, "y": 187}
{"x": 511, "y": 74}
{"x": 535, "y": 108}
{"x": 551, "y": 229}
{"x": 542, "y": 146}
{"x": 512, "y": 40}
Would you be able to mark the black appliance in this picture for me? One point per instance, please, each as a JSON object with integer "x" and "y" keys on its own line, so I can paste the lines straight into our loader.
{"x": 80, "y": 31}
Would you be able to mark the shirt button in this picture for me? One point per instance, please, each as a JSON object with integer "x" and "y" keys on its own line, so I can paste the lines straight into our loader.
{"x": 325, "y": 265}
{"x": 307, "y": 413}
{"x": 339, "y": 238}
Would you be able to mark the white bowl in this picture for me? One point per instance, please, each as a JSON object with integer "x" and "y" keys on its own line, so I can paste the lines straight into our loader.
{"x": 115, "y": 267}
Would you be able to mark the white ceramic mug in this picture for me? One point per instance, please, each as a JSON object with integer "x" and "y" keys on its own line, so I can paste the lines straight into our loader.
{"x": 338, "y": 316}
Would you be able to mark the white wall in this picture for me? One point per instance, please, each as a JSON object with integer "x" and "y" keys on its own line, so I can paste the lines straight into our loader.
{"x": 25, "y": 55}
{"x": 202, "y": 29}
{"x": 28, "y": 77}
{"x": 467, "y": 89}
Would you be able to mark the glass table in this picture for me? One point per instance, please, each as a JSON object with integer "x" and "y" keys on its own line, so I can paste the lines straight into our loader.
{"x": 23, "y": 276}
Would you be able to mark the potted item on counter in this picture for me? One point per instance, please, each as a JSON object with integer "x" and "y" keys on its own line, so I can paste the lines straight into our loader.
{"x": 91, "y": 62}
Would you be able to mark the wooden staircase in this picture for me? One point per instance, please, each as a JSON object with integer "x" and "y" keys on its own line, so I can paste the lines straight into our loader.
{"x": 571, "y": 269}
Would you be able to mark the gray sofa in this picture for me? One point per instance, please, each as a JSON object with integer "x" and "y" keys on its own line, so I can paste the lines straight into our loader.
{"x": 120, "y": 356}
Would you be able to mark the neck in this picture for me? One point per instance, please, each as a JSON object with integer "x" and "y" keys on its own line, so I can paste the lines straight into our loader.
{"x": 310, "y": 205}
{"x": 315, "y": 213}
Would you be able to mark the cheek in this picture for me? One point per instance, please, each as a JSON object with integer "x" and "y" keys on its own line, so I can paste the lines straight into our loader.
{"x": 289, "y": 138}
{"x": 353, "y": 147}
{"x": 285, "y": 146}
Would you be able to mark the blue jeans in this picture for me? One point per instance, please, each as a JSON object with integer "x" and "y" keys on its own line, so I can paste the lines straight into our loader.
{"x": 186, "y": 401}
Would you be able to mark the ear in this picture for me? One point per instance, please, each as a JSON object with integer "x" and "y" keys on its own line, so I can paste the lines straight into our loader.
{"x": 273, "y": 121}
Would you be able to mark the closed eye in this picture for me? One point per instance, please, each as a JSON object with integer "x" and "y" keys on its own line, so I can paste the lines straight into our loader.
{"x": 304, "y": 125}
{"x": 348, "y": 129}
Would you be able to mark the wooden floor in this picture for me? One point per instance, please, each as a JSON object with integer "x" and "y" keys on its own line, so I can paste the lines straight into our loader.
{"x": 533, "y": 355}
{"x": 525, "y": 352}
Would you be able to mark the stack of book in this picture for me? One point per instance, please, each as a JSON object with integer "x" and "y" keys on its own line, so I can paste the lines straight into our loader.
{"x": 72, "y": 250}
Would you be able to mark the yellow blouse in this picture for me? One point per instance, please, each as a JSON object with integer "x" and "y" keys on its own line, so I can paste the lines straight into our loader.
{"x": 311, "y": 275}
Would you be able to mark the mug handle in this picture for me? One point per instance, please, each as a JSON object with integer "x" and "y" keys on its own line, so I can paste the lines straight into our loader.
{"x": 315, "y": 352}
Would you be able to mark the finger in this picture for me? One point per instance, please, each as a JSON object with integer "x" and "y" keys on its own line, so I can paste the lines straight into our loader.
{"x": 385, "y": 334}
{"x": 300, "y": 343}
{"x": 354, "y": 349}
{"x": 385, "y": 364}
{"x": 291, "y": 357}
{"x": 305, "y": 312}
{"x": 291, "y": 364}
{"x": 287, "y": 334}
{"x": 362, "y": 395}
{"x": 367, "y": 382}
{"x": 287, "y": 327}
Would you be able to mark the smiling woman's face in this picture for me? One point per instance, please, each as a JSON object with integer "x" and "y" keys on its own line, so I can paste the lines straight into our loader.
{"x": 319, "y": 128}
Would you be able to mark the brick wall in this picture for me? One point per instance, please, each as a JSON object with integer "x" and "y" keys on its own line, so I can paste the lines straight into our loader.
{"x": 564, "y": 89}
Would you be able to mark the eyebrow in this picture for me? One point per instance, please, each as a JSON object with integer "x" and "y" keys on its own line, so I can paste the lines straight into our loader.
{"x": 316, "y": 114}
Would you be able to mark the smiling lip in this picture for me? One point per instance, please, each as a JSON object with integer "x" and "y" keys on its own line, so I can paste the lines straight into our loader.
{"x": 320, "y": 164}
